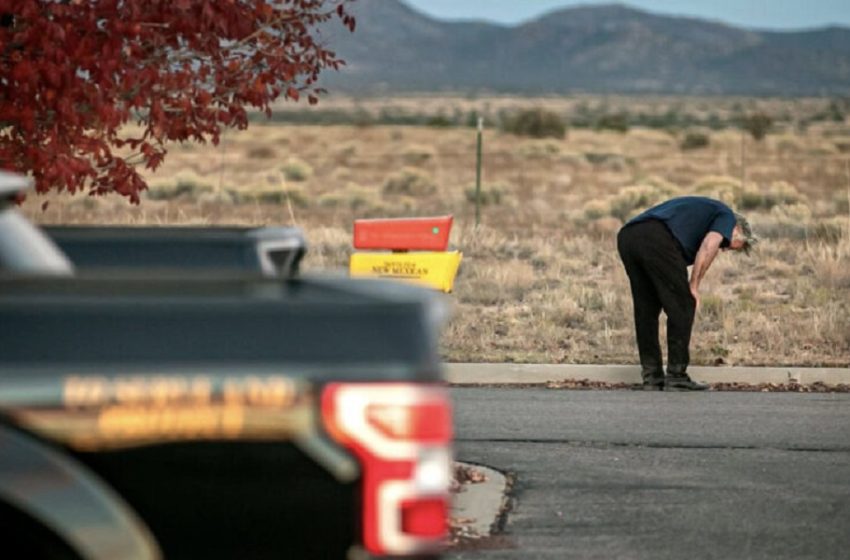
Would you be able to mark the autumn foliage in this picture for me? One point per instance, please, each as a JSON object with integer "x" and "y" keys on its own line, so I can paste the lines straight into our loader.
{"x": 73, "y": 73}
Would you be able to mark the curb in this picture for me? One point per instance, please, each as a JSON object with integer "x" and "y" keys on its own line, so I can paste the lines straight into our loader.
{"x": 479, "y": 505}
{"x": 508, "y": 374}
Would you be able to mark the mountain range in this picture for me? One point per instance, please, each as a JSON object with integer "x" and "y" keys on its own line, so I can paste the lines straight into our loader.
{"x": 596, "y": 49}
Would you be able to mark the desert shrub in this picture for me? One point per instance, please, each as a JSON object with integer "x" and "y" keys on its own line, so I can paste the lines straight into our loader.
{"x": 361, "y": 118}
{"x": 629, "y": 200}
{"x": 360, "y": 197}
{"x": 490, "y": 194}
{"x": 694, "y": 141}
{"x": 788, "y": 144}
{"x": 787, "y": 222}
{"x": 608, "y": 160}
{"x": 217, "y": 196}
{"x": 836, "y": 111}
{"x": 782, "y": 192}
{"x": 792, "y": 213}
{"x": 353, "y": 196}
{"x": 261, "y": 152}
{"x": 596, "y": 209}
{"x": 418, "y": 155}
{"x": 821, "y": 150}
{"x": 712, "y": 309}
{"x": 841, "y": 201}
{"x": 590, "y": 299}
{"x": 663, "y": 187}
{"x": 331, "y": 199}
{"x": 439, "y": 121}
{"x": 271, "y": 195}
{"x": 843, "y": 146}
{"x": 536, "y": 123}
{"x": 757, "y": 124}
{"x": 538, "y": 149}
{"x": 572, "y": 158}
{"x": 296, "y": 170}
{"x": 410, "y": 182}
{"x": 600, "y": 157}
{"x": 617, "y": 122}
{"x": 829, "y": 231}
{"x": 295, "y": 196}
{"x": 656, "y": 138}
{"x": 603, "y": 228}
{"x": 777, "y": 194}
{"x": 721, "y": 187}
{"x": 671, "y": 119}
{"x": 344, "y": 152}
{"x": 185, "y": 184}
{"x": 568, "y": 313}
{"x": 749, "y": 199}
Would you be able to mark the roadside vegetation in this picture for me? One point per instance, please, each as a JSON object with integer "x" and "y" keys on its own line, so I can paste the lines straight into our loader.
{"x": 540, "y": 280}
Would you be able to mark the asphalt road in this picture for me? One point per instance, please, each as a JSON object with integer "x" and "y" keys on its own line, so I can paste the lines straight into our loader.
{"x": 623, "y": 474}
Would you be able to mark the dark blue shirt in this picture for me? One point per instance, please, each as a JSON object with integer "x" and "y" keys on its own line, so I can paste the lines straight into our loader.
{"x": 689, "y": 219}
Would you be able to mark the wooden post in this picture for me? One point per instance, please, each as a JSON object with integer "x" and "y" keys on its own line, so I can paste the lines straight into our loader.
{"x": 478, "y": 173}
{"x": 743, "y": 159}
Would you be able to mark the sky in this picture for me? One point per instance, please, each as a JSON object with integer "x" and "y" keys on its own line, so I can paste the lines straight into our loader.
{"x": 754, "y": 14}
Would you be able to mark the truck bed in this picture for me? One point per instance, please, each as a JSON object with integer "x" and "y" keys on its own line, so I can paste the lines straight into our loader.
{"x": 274, "y": 251}
{"x": 316, "y": 327}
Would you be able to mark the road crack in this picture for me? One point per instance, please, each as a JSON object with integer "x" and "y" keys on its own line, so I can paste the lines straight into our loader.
{"x": 619, "y": 444}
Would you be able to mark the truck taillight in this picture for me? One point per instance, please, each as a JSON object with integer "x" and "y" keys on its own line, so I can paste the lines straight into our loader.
{"x": 401, "y": 432}
{"x": 428, "y": 422}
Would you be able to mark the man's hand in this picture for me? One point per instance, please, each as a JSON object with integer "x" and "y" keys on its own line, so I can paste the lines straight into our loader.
{"x": 705, "y": 256}
{"x": 695, "y": 294}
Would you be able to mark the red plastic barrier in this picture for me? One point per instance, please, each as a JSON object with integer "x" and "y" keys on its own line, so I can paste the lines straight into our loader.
{"x": 403, "y": 234}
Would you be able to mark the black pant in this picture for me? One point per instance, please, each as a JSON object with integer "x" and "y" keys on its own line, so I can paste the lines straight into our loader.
{"x": 658, "y": 275}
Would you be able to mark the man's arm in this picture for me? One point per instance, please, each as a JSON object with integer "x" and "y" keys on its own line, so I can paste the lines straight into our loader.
{"x": 705, "y": 256}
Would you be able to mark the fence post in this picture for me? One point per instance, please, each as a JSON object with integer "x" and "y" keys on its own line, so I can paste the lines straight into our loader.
{"x": 478, "y": 173}
{"x": 743, "y": 159}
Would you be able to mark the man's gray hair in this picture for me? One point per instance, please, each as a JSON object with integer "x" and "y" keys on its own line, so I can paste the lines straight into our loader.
{"x": 750, "y": 239}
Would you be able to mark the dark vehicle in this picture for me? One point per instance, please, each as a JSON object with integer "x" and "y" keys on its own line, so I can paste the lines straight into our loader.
{"x": 274, "y": 251}
{"x": 24, "y": 249}
{"x": 215, "y": 415}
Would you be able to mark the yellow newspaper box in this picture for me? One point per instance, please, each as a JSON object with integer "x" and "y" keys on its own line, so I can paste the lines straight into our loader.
{"x": 434, "y": 269}
{"x": 418, "y": 248}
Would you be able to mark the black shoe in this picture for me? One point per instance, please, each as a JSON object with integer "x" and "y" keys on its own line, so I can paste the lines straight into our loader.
{"x": 650, "y": 383}
{"x": 648, "y": 386}
{"x": 683, "y": 382}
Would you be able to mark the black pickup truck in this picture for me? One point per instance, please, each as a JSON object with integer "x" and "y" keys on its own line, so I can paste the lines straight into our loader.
{"x": 273, "y": 251}
{"x": 201, "y": 414}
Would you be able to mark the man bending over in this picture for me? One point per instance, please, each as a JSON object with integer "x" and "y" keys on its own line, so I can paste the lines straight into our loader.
{"x": 656, "y": 248}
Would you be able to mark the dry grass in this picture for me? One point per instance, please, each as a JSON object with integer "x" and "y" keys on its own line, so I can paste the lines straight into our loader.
{"x": 541, "y": 281}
